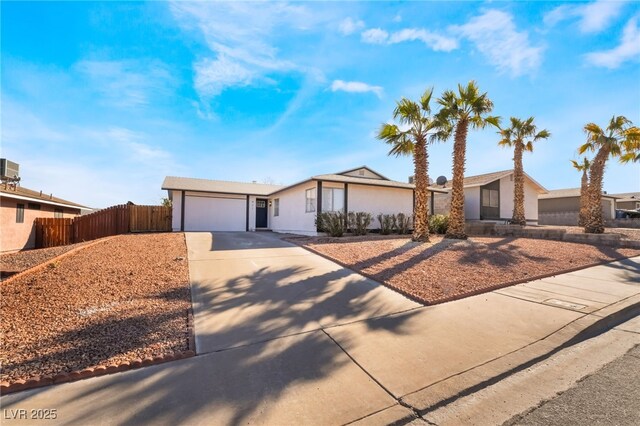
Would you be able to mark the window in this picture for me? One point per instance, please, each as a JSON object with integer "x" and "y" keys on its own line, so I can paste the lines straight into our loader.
{"x": 310, "y": 198}
{"x": 490, "y": 198}
{"x": 58, "y": 213}
{"x": 261, "y": 204}
{"x": 332, "y": 199}
{"x": 33, "y": 206}
{"x": 276, "y": 207}
{"x": 20, "y": 213}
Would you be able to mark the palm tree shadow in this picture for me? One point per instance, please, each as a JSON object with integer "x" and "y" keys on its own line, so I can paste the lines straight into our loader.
{"x": 263, "y": 340}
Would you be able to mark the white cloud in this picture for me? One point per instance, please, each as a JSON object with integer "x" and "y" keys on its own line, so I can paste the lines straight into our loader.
{"x": 374, "y": 36}
{"x": 592, "y": 17}
{"x": 349, "y": 26}
{"x": 628, "y": 49}
{"x": 434, "y": 41}
{"x": 126, "y": 83}
{"x": 496, "y": 37}
{"x": 355, "y": 87}
{"x": 241, "y": 39}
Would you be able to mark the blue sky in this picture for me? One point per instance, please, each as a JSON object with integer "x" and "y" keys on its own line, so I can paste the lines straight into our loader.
{"x": 100, "y": 101}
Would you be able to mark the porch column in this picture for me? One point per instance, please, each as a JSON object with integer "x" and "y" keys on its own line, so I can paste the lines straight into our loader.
{"x": 182, "y": 199}
{"x": 318, "y": 204}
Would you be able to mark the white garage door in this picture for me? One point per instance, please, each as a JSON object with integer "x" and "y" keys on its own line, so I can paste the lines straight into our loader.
{"x": 215, "y": 214}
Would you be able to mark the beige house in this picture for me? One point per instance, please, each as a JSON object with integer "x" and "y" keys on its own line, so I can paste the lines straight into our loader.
{"x": 20, "y": 206}
{"x": 562, "y": 207}
{"x": 627, "y": 201}
{"x": 215, "y": 205}
{"x": 490, "y": 197}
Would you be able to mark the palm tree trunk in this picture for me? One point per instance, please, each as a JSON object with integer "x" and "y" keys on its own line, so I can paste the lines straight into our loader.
{"x": 595, "y": 221}
{"x": 421, "y": 215}
{"x": 518, "y": 187}
{"x": 456, "y": 217}
{"x": 584, "y": 199}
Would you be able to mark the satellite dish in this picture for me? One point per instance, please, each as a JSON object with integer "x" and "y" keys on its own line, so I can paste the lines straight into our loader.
{"x": 430, "y": 181}
{"x": 441, "y": 180}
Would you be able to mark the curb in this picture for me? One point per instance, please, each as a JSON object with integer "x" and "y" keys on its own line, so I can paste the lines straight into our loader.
{"x": 101, "y": 370}
{"x": 471, "y": 293}
{"x": 56, "y": 259}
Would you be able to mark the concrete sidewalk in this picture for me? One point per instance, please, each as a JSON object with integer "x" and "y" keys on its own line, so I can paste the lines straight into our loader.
{"x": 284, "y": 336}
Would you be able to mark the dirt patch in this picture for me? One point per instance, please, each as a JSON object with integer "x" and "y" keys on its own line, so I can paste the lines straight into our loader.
{"x": 11, "y": 263}
{"x": 444, "y": 269}
{"x": 118, "y": 300}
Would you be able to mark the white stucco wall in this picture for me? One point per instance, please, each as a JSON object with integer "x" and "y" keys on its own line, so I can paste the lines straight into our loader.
{"x": 376, "y": 200}
{"x": 293, "y": 218}
{"x": 472, "y": 203}
{"x": 176, "y": 216}
{"x": 506, "y": 199}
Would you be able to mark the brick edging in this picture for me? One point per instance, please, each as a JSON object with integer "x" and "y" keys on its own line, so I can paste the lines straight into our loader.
{"x": 46, "y": 263}
{"x": 101, "y": 370}
{"x": 471, "y": 293}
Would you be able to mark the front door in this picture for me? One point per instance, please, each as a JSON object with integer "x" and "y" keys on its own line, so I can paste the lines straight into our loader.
{"x": 261, "y": 213}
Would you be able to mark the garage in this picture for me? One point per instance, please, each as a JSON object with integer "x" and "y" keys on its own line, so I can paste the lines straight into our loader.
{"x": 215, "y": 213}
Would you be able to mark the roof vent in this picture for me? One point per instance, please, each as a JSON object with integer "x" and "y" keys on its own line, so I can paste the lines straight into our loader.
{"x": 442, "y": 181}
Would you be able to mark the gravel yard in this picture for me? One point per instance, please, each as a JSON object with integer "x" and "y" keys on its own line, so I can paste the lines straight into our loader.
{"x": 115, "y": 301}
{"x": 21, "y": 260}
{"x": 445, "y": 269}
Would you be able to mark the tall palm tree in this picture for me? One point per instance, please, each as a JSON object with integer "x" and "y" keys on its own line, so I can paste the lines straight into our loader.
{"x": 631, "y": 151}
{"x": 617, "y": 140}
{"x": 583, "y": 167}
{"x": 420, "y": 128}
{"x": 520, "y": 136}
{"x": 460, "y": 110}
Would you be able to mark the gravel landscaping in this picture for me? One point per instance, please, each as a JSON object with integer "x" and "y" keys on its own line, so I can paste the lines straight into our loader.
{"x": 115, "y": 301}
{"x": 444, "y": 269}
{"x": 21, "y": 260}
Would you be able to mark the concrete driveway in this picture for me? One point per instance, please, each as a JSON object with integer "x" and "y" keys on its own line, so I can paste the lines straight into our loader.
{"x": 284, "y": 336}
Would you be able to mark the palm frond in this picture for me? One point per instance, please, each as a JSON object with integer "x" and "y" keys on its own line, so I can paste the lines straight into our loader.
{"x": 425, "y": 100}
{"x": 588, "y": 146}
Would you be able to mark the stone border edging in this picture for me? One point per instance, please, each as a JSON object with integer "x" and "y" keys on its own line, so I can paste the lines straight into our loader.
{"x": 56, "y": 259}
{"x": 471, "y": 293}
{"x": 101, "y": 370}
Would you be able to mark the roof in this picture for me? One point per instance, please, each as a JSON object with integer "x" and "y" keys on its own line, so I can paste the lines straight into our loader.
{"x": 20, "y": 192}
{"x": 566, "y": 193}
{"x": 223, "y": 186}
{"x": 229, "y": 187}
{"x": 484, "y": 179}
{"x": 627, "y": 196}
{"x": 363, "y": 167}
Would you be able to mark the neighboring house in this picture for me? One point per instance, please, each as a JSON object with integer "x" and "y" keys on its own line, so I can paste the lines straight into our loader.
{"x": 19, "y": 207}
{"x": 490, "y": 197}
{"x": 627, "y": 201}
{"x": 562, "y": 207}
{"x": 214, "y": 205}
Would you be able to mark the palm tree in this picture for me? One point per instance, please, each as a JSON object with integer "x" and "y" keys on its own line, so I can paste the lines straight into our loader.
{"x": 520, "y": 136}
{"x": 584, "y": 189}
{"x": 632, "y": 150}
{"x": 420, "y": 129}
{"x": 460, "y": 110}
{"x": 618, "y": 139}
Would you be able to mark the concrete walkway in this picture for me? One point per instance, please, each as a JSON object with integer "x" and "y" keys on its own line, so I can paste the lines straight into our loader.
{"x": 284, "y": 336}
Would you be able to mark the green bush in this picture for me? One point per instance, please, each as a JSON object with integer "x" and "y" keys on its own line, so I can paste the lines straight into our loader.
{"x": 439, "y": 223}
{"x": 386, "y": 223}
{"x": 403, "y": 223}
{"x": 359, "y": 222}
{"x": 332, "y": 223}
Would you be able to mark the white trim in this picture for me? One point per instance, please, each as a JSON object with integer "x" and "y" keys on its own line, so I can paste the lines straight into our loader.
{"x": 38, "y": 200}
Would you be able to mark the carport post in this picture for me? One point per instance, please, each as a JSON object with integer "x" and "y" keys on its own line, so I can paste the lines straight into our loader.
{"x": 247, "y": 218}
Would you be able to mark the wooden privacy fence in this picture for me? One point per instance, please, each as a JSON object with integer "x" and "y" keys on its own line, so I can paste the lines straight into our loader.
{"x": 52, "y": 232}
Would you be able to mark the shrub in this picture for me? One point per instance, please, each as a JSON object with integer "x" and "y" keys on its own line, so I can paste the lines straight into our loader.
{"x": 439, "y": 223}
{"x": 386, "y": 223}
{"x": 359, "y": 222}
{"x": 404, "y": 223}
{"x": 332, "y": 223}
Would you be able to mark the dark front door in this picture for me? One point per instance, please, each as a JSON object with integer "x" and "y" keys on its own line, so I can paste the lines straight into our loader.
{"x": 490, "y": 201}
{"x": 261, "y": 213}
